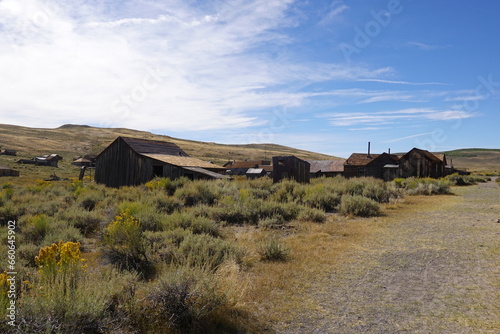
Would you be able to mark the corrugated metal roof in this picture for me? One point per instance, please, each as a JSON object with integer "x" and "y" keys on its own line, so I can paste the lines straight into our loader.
{"x": 327, "y": 166}
{"x": 207, "y": 172}
{"x": 182, "y": 161}
{"x": 255, "y": 170}
{"x": 148, "y": 146}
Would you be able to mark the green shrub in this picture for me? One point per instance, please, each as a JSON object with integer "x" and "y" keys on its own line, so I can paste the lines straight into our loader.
{"x": 272, "y": 222}
{"x": 288, "y": 191}
{"x": 85, "y": 221}
{"x": 312, "y": 215}
{"x": 192, "y": 222}
{"x": 423, "y": 186}
{"x": 125, "y": 245}
{"x": 205, "y": 251}
{"x": 36, "y": 227}
{"x": 197, "y": 192}
{"x": 89, "y": 200}
{"x": 272, "y": 249}
{"x": 357, "y": 205}
{"x": 62, "y": 233}
{"x": 167, "y": 204}
{"x": 465, "y": 180}
{"x": 27, "y": 253}
{"x": 270, "y": 209}
{"x": 321, "y": 197}
{"x": 184, "y": 300}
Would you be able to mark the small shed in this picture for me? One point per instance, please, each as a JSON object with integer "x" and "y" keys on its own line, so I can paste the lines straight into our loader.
{"x": 290, "y": 167}
{"x": 9, "y": 152}
{"x": 7, "y": 171}
{"x": 254, "y": 173}
{"x": 327, "y": 168}
{"x": 133, "y": 161}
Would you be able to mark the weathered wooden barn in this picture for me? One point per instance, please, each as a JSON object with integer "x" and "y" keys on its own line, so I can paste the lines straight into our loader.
{"x": 421, "y": 163}
{"x": 7, "y": 171}
{"x": 327, "y": 168}
{"x": 291, "y": 167}
{"x": 366, "y": 164}
{"x": 134, "y": 161}
{"x": 9, "y": 152}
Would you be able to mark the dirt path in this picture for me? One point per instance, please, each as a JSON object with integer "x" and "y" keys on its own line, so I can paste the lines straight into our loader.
{"x": 432, "y": 269}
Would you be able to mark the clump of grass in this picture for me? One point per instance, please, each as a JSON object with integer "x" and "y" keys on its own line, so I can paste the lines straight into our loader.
{"x": 197, "y": 192}
{"x": 273, "y": 249}
{"x": 356, "y": 205}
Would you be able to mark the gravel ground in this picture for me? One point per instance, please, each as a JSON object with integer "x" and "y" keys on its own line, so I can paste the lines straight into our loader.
{"x": 431, "y": 270}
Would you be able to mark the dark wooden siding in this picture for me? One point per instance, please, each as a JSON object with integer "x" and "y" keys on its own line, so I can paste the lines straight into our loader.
{"x": 118, "y": 165}
{"x": 290, "y": 167}
{"x": 418, "y": 164}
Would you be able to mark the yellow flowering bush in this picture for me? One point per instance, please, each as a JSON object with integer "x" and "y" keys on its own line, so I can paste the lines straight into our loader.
{"x": 125, "y": 244}
{"x": 60, "y": 258}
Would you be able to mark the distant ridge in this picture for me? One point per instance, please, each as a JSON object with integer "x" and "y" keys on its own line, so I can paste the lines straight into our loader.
{"x": 70, "y": 140}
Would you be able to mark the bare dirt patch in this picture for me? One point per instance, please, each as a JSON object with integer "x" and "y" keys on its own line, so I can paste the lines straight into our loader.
{"x": 430, "y": 267}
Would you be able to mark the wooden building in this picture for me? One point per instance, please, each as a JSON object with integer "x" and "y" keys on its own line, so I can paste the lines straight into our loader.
{"x": 255, "y": 173}
{"x": 327, "y": 168}
{"x": 9, "y": 152}
{"x": 133, "y": 161}
{"x": 363, "y": 164}
{"x": 421, "y": 163}
{"x": 290, "y": 167}
{"x": 7, "y": 171}
{"x": 241, "y": 167}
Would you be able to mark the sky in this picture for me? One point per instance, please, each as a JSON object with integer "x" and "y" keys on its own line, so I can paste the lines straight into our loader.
{"x": 325, "y": 76}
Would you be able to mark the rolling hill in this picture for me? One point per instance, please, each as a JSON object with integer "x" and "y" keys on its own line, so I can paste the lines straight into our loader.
{"x": 70, "y": 141}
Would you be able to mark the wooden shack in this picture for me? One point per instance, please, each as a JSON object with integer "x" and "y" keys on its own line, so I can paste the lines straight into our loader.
{"x": 421, "y": 163}
{"x": 7, "y": 171}
{"x": 326, "y": 168}
{"x": 133, "y": 161}
{"x": 290, "y": 167}
{"x": 366, "y": 164}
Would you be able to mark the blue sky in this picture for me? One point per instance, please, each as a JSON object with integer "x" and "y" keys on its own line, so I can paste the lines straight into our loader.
{"x": 326, "y": 76}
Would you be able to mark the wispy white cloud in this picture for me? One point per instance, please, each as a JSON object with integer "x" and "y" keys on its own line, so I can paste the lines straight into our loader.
{"x": 427, "y": 47}
{"x": 154, "y": 65}
{"x": 408, "y": 137}
{"x": 403, "y": 82}
{"x": 336, "y": 8}
{"x": 395, "y": 117}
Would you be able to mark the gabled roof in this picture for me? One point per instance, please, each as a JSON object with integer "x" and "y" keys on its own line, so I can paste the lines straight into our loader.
{"x": 327, "y": 166}
{"x": 362, "y": 159}
{"x": 182, "y": 161}
{"x": 428, "y": 155}
{"x": 148, "y": 146}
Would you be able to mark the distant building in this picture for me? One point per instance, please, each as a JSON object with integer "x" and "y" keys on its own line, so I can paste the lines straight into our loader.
{"x": 367, "y": 164}
{"x": 9, "y": 152}
{"x": 241, "y": 167}
{"x": 327, "y": 168}
{"x": 290, "y": 167}
{"x": 422, "y": 163}
{"x": 254, "y": 173}
{"x": 7, "y": 171}
{"x": 134, "y": 161}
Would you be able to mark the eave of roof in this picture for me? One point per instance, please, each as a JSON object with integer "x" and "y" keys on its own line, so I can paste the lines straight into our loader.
{"x": 182, "y": 161}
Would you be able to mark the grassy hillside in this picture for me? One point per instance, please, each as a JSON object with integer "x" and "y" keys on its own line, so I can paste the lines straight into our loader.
{"x": 70, "y": 141}
{"x": 475, "y": 159}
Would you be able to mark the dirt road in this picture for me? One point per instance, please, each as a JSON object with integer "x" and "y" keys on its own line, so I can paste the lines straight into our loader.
{"x": 432, "y": 269}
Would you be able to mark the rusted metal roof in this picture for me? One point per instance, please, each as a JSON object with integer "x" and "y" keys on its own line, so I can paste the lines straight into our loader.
{"x": 327, "y": 166}
{"x": 182, "y": 161}
{"x": 148, "y": 146}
